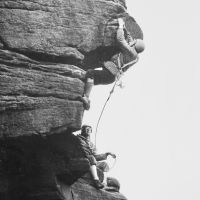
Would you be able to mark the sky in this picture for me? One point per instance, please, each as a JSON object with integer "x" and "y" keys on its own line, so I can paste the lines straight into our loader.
{"x": 152, "y": 124}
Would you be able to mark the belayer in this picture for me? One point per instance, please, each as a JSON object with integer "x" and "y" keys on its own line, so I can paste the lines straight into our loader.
{"x": 95, "y": 160}
{"x": 119, "y": 63}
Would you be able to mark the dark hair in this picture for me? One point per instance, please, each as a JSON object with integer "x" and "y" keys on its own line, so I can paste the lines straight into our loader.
{"x": 83, "y": 129}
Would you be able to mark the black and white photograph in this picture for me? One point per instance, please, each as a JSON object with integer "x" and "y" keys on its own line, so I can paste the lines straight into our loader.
{"x": 99, "y": 100}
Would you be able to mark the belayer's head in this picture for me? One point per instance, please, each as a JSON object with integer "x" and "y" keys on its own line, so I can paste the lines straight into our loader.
{"x": 86, "y": 130}
{"x": 138, "y": 45}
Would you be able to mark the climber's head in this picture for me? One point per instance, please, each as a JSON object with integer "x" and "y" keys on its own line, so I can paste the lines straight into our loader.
{"x": 138, "y": 44}
{"x": 86, "y": 130}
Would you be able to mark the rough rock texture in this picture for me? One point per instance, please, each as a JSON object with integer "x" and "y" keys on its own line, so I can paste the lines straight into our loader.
{"x": 45, "y": 167}
{"x": 36, "y": 97}
{"x": 80, "y": 190}
{"x": 45, "y": 48}
{"x": 44, "y": 44}
{"x": 63, "y": 28}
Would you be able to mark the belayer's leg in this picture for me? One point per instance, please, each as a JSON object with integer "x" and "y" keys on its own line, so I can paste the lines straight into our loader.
{"x": 104, "y": 167}
{"x": 93, "y": 172}
{"x": 97, "y": 183}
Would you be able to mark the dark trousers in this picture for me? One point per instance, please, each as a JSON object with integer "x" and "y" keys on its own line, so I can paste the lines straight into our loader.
{"x": 101, "y": 77}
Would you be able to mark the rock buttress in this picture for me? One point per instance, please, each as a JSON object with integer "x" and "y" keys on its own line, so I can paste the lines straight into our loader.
{"x": 45, "y": 48}
{"x": 37, "y": 97}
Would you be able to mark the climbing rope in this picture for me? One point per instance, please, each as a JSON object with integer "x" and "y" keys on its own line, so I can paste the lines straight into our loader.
{"x": 115, "y": 160}
{"x": 111, "y": 92}
{"x": 118, "y": 80}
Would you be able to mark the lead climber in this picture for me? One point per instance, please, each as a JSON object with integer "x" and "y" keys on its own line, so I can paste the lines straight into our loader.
{"x": 89, "y": 151}
{"x": 119, "y": 63}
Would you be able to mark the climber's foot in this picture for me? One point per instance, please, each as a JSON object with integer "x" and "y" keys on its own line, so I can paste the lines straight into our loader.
{"x": 86, "y": 102}
{"x": 98, "y": 184}
{"x": 121, "y": 23}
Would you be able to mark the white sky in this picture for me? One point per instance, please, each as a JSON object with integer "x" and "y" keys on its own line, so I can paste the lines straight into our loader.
{"x": 153, "y": 123}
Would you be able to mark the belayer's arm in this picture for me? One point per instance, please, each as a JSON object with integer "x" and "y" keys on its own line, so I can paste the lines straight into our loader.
{"x": 100, "y": 157}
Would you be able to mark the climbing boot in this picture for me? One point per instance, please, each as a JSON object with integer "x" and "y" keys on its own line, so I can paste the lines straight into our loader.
{"x": 86, "y": 102}
{"x": 98, "y": 184}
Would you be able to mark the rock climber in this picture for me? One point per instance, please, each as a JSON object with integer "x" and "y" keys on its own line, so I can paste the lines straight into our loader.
{"x": 119, "y": 63}
{"x": 89, "y": 151}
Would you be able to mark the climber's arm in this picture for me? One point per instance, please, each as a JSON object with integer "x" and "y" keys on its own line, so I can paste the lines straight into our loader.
{"x": 123, "y": 44}
{"x": 130, "y": 40}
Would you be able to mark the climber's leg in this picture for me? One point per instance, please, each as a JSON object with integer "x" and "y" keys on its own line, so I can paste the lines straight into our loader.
{"x": 95, "y": 77}
{"x": 87, "y": 90}
{"x": 103, "y": 77}
{"x": 121, "y": 23}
